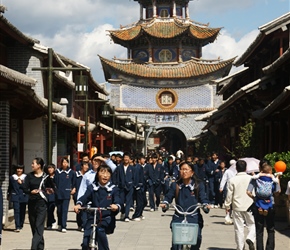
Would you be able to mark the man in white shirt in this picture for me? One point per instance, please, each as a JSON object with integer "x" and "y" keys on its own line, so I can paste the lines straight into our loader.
{"x": 237, "y": 196}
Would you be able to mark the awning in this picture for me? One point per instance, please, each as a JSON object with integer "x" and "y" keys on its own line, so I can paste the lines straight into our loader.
{"x": 205, "y": 116}
{"x": 260, "y": 114}
{"x": 120, "y": 133}
{"x": 227, "y": 81}
{"x": 72, "y": 122}
{"x": 277, "y": 64}
{"x": 198, "y": 137}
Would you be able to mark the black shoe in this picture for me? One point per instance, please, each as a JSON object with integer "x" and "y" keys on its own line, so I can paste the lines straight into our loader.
{"x": 251, "y": 244}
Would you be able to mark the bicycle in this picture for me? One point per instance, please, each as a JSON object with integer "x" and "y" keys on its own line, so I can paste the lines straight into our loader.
{"x": 92, "y": 243}
{"x": 184, "y": 233}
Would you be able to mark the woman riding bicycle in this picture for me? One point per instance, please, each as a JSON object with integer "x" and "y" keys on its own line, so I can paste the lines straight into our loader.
{"x": 102, "y": 194}
{"x": 187, "y": 191}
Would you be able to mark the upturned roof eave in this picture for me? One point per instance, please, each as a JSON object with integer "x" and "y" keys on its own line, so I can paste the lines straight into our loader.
{"x": 146, "y": 28}
{"x": 145, "y": 69}
{"x": 15, "y": 32}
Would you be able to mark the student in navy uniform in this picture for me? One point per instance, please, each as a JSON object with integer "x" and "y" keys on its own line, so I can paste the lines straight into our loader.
{"x": 50, "y": 222}
{"x": 139, "y": 186}
{"x": 81, "y": 216}
{"x": 102, "y": 193}
{"x": 212, "y": 166}
{"x": 125, "y": 183}
{"x": 17, "y": 196}
{"x": 176, "y": 169}
{"x": 169, "y": 167}
{"x": 200, "y": 171}
{"x": 220, "y": 197}
{"x": 64, "y": 180}
{"x": 37, "y": 185}
{"x": 155, "y": 176}
{"x": 85, "y": 160}
{"x": 187, "y": 191}
{"x": 118, "y": 162}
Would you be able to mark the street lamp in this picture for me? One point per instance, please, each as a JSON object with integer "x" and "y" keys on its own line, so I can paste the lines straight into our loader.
{"x": 106, "y": 113}
{"x": 82, "y": 89}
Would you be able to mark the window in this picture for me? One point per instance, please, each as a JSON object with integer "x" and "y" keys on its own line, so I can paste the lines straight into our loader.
{"x": 165, "y": 55}
{"x": 164, "y": 13}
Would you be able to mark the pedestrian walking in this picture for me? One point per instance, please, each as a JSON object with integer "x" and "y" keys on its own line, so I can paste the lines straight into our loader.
{"x": 155, "y": 176}
{"x": 139, "y": 189}
{"x": 17, "y": 196}
{"x": 50, "y": 222}
{"x": 37, "y": 185}
{"x": 64, "y": 181}
{"x": 212, "y": 166}
{"x": 81, "y": 216}
{"x": 125, "y": 182}
{"x": 218, "y": 177}
{"x": 241, "y": 202}
{"x": 267, "y": 219}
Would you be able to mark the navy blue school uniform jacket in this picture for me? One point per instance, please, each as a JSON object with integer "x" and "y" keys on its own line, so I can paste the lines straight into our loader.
{"x": 200, "y": 171}
{"x": 77, "y": 183}
{"x": 15, "y": 193}
{"x": 211, "y": 168}
{"x": 125, "y": 180}
{"x": 103, "y": 197}
{"x": 64, "y": 181}
{"x": 51, "y": 197}
{"x": 185, "y": 197}
{"x": 169, "y": 169}
{"x": 155, "y": 175}
{"x": 139, "y": 179}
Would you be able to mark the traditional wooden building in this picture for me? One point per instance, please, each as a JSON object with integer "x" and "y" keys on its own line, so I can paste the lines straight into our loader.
{"x": 24, "y": 104}
{"x": 258, "y": 94}
{"x": 164, "y": 80}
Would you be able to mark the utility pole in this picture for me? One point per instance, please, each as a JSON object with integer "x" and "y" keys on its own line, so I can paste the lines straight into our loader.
{"x": 49, "y": 69}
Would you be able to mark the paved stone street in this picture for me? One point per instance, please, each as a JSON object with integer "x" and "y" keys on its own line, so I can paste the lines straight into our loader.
{"x": 151, "y": 233}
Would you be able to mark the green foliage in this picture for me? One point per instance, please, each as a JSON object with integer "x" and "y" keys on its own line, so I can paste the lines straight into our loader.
{"x": 243, "y": 145}
{"x": 283, "y": 156}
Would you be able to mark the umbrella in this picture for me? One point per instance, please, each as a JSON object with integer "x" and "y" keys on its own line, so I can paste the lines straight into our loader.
{"x": 252, "y": 164}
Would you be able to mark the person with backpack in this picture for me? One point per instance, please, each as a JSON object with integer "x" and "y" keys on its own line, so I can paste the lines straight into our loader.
{"x": 260, "y": 219}
{"x": 264, "y": 181}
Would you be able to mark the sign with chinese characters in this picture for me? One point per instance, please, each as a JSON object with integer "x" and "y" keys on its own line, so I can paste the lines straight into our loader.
{"x": 160, "y": 118}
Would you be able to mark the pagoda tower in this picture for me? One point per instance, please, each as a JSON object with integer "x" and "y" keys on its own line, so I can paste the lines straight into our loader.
{"x": 164, "y": 79}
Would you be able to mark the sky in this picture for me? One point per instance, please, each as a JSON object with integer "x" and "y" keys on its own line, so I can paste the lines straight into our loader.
{"x": 78, "y": 29}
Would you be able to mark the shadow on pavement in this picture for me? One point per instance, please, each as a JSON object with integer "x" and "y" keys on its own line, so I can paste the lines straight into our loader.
{"x": 282, "y": 228}
{"x": 217, "y": 248}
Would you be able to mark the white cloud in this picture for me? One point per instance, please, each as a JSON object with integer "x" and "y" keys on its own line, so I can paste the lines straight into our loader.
{"x": 78, "y": 28}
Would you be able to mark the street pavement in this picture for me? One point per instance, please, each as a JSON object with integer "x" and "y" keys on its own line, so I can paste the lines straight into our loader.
{"x": 153, "y": 233}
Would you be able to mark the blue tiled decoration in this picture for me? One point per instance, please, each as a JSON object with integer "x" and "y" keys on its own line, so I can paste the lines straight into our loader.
{"x": 188, "y": 98}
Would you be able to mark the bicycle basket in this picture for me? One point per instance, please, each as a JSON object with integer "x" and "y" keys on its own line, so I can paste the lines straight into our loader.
{"x": 184, "y": 233}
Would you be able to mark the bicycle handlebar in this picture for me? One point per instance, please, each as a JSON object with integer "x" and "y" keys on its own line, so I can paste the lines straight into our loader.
{"x": 197, "y": 206}
{"x": 95, "y": 208}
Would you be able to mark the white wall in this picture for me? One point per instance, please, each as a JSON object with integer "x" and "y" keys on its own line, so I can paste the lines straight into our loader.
{"x": 33, "y": 141}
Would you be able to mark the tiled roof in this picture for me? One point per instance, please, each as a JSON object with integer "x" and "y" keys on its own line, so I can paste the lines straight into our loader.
{"x": 16, "y": 76}
{"x": 165, "y": 29}
{"x": 14, "y": 32}
{"x": 188, "y": 69}
{"x": 142, "y": 110}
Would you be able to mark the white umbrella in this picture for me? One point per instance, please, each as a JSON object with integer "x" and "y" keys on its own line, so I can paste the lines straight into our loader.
{"x": 252, "y": 164}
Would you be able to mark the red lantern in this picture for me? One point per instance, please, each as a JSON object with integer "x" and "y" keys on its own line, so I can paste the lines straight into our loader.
{"x": 280, "y": 166}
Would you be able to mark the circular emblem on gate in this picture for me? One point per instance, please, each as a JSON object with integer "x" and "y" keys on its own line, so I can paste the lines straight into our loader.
{"x": 166, "y": 98}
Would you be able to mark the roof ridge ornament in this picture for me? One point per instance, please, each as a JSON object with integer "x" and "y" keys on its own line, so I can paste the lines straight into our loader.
{"x": 3, "y": 8}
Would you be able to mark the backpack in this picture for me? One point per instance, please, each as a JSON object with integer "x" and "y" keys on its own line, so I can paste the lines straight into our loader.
{"x": 264, "y": 188}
